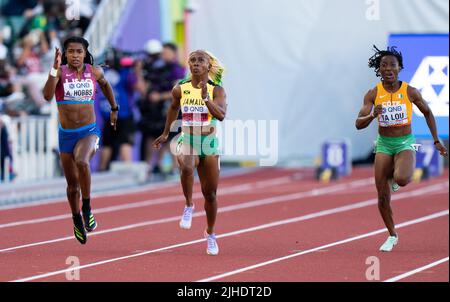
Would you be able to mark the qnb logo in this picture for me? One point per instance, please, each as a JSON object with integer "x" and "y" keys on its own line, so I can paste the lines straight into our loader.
{"x": 431, "y": 78}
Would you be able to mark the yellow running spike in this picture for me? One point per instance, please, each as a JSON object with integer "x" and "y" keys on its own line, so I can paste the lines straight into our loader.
{"x": 325, "y": 176}
{"x": 417, "y": 175}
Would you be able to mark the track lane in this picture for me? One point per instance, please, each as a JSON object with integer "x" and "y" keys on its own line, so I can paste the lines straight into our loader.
{"x": 246, "y": 243}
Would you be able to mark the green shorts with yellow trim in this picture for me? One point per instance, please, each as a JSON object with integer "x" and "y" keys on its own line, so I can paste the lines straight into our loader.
{"x": 394, "y": 145}
{"x": 203, "y": 145}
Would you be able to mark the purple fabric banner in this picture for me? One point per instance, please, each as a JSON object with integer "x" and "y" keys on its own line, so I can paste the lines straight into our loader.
{"x": 141, "y": 21}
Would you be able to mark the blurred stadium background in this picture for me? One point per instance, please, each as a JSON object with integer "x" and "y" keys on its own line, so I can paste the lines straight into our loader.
{"x": 300, "y": 64}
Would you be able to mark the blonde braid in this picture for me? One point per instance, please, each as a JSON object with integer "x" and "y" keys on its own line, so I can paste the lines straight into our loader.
{"x": 217, "y": 69}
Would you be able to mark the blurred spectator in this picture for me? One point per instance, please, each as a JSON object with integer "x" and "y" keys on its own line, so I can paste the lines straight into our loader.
{"x": 173, "y": 69}
{"x": 3, "y": 49}
{"x": 18, "y": 7}
{"x": 172, "y": 72}
{"x": 151, "y": 120}
{"x": 31, "y": 74}
{"x": 29, "y": 51}
{"x": 5, "y": 151}
{"x": 51, "y": 36}
{"x": 37, "y": 27}
{"x": 34, "y": 19}
{"x": 121, "y": 76}
{"x": 161, "y": 71}
{"x": 16, "y": 13}
{"x": 11, "y": 95}
{"x": 86, "y": 10}
{"x": 54, "y": 14}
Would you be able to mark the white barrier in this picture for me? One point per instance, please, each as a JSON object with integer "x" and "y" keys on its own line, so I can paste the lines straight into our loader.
{"x": 23, "y": 192}
{"x": 33, "y": 141}
{"x": 6, "y": 169}
{"x": 102, "y": 26}
{"x": 5, "y": 121}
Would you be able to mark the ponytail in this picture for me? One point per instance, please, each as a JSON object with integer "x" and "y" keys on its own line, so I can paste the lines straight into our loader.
{"x": 217, "y": 69}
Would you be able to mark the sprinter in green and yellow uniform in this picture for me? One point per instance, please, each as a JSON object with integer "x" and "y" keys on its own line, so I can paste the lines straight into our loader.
{"x": 202, "y": 101}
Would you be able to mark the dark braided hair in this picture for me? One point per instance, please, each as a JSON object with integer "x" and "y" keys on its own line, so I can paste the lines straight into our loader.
{"x": 89, "y": 59}
{"x": 375, "y": 60}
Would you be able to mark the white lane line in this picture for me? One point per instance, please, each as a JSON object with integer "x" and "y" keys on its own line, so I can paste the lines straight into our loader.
{"x": 267, "y": 201}
{"x": 417, "y": 270}
{"x": 264, "y": 226}
{"x": 157, "y": 201}
{"x": 119, "y": 192}
{"x": 135, "y": 190}
{"x": 379, "y": 231}
{"x": 175, "y": 198}
{"x": 138, "y": 204}
{"x": 244, "y": 205}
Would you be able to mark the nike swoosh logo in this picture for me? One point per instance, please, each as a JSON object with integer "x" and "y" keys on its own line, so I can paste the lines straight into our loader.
{"x": 382, "y": 96}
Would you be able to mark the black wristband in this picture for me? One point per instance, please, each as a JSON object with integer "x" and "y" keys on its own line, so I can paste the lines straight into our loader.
{"x": 115, "y": 109}
{"x": 437, "y": 142}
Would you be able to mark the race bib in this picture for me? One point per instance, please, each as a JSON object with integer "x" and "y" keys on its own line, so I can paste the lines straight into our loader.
{"x": 79, "y": 90}
{"x": 195, "y": 115}
{"x": 393, "y": 115}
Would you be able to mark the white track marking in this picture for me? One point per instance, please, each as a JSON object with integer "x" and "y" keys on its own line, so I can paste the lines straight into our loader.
{"x": 417, "y": 270}
{"x": 244, "y": 205}
{"x": 152, "y": 202}
{"x": 119, "y": 192}
{"x": 267, "y": 201}
{"x": 179, "y": 198}
{"x": 379, "y": 231}
{"x": 407, "y": 223}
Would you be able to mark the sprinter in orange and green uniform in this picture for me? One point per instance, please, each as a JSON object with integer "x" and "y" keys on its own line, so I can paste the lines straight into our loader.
{"x": 390, "y": 102}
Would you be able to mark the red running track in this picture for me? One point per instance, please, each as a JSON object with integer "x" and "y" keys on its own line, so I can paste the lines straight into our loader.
{"x": 273, "y": 225}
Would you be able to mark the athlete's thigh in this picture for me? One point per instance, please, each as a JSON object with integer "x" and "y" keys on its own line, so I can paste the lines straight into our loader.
{"x": 69, "y": 168}
{"x": 208, "y": 172}
{"x": 384, "y": 166}
{"x": 404, "y": 163}
{"x": 186, "y": 155}
{"x": 187, "y": 161}
{"x": 85, "y": 148}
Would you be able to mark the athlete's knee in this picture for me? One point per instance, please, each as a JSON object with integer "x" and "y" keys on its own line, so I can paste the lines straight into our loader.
{"x": 383, "y": 199}
{"x": 402, "y": 180}
{"x": 210, "y": 196}
{"x": 73, "y": 189}
{"x": 187, "y": 170}
{"x": 82, "y": 163}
